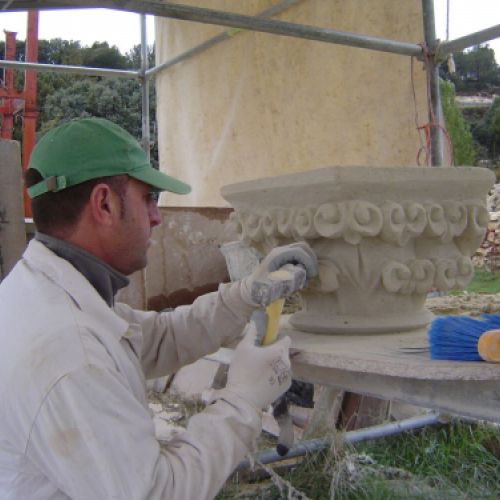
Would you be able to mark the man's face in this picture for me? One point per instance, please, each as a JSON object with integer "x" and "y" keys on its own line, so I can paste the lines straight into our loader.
{"x": 132, "y": 235}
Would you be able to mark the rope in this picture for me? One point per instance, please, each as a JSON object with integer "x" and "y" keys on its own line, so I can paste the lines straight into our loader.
{"x": 424, "y": 131}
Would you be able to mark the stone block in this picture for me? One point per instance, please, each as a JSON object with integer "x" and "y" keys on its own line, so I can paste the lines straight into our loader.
{"x": 12, "y": 233}
{"x": 185, "y": 260}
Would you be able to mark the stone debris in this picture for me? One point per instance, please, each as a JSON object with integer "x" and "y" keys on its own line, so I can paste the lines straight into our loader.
{"x": 472, "y": 304}
{"x": 493, "y": 199}
{"x": 487, "y": 256}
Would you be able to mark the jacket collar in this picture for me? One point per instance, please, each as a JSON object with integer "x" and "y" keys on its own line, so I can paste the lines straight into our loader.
{"x": 106, "y": 280}
{"x": 85, "y": 296}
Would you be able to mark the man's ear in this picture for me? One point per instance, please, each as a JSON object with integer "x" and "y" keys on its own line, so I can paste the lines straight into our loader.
{"x": 104, "y": 205}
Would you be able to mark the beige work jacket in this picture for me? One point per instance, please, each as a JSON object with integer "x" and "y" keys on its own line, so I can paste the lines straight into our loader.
{"x": 74, "y": 419}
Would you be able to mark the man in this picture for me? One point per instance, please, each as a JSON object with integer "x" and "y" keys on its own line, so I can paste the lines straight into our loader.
{"x": 74, "y": 418}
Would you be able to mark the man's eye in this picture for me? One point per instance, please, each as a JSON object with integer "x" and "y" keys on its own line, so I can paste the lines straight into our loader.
{"x": 153, "y": 196}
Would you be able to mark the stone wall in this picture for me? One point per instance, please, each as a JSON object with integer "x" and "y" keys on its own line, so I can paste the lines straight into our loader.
{"x": 184, "y": 260}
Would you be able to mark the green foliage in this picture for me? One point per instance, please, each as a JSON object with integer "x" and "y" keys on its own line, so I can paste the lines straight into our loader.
{"x": 483, "y": 282}
{"x": 63, "y": 96}
{"x": 101, "y": 55}
{"x": 476, "y": 70}
{"x": 487, "y": 130}
{"x": 450, "y": 461}
{"x": 58, "y": 51}
{"x": 464, "y": 151}
{"x": 467, "y": 456}
{"x": 134, "y": 57}
{"x": 116, "y": 99}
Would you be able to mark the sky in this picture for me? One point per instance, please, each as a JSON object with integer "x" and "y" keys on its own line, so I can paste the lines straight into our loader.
{"x": 123, "y": 29}
{"x": 87, "y": 25}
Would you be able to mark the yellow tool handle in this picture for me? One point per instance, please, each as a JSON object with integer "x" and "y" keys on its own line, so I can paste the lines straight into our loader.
{"x": 273, "y": 312}
{"x": 488, "y": 346}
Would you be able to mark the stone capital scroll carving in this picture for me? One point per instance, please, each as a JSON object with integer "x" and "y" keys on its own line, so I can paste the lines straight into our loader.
{"x": 354, "y": 220}
{"x": 420, "y": 276}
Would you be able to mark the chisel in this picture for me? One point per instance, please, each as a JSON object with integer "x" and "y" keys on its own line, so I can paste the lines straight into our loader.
{"x": 267, "y": 323}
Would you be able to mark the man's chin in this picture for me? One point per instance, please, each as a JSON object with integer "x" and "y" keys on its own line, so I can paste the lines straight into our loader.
{"x": 133, "y": 268}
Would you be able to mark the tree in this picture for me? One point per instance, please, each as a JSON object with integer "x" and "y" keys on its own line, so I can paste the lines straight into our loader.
{"x": 487, "y": 131}
{"x": 58, "y": 51}
{"x": 133, "y": 57}
{"x": 63, "y": 96}
{"x": 464, "y": 151}
{"x": 116, "y": 99}
{"x": 476, "y": 70}
{"x": 101, "y": 55}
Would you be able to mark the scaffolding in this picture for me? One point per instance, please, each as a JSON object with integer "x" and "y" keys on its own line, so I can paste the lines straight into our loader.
{"x": 432, "y": 50}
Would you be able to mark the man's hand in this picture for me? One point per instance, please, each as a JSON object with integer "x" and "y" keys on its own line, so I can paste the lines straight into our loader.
{"x": 267, "y": 284}
{"x": 259, "y": 375}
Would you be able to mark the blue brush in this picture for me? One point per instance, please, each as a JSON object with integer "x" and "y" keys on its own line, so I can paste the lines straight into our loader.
{"x": 492, "y": 319}
{"x": 462, "y": 338}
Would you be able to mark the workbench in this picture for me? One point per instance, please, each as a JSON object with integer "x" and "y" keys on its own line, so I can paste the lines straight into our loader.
{"x": 393, "y": 366}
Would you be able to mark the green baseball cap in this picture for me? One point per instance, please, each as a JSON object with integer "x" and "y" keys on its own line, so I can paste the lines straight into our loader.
{"x": 88, "y": 148}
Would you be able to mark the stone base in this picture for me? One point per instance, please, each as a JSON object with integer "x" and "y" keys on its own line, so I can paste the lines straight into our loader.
{"x": 310, "y": 322}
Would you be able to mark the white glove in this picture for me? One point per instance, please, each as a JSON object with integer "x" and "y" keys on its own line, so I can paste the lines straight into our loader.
{"x": 299, "y": 258}
{"x": 259, "y": 375}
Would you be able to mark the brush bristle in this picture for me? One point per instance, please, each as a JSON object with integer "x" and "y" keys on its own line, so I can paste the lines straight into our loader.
{"x": 456, "y": 337}
{"x": 493, "y": 321}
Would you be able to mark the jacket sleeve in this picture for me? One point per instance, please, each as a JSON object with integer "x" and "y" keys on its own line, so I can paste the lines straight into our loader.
{"x": 93, "y": 439}
{"x": 176, "y": 338}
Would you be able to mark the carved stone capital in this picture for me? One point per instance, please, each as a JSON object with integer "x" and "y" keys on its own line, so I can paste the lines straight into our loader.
{"x": 384, "y": 237}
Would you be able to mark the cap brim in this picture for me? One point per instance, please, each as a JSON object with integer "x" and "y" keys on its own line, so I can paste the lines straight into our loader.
{"x": 160, "y": 181}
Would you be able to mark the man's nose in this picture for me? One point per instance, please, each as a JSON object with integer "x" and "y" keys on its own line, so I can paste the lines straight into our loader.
{"x": 154, "y": 215}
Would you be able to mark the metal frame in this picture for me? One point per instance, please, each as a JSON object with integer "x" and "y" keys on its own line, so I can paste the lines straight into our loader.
{"x": 432, "y": 51}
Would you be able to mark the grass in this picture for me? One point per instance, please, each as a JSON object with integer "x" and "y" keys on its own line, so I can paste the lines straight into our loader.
{"x": 456, "y": 460}
{"x": 458, "y": 456}
{"x": 484, "y": 282}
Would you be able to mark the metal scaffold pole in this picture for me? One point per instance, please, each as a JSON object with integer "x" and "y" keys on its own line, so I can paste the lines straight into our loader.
{"x": 146, "y": 139}
{"x": 232, "y": 20}
{"x": 226, "y": 35}
{"x": 435, "y": 113}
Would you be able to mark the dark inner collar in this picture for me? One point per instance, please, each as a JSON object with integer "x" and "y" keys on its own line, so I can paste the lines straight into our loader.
{"x": 106, "y": 280}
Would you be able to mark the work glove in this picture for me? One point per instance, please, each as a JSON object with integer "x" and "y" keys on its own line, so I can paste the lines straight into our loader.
{"x": 259, "y": 375}
{"x": 265, "y": 284}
